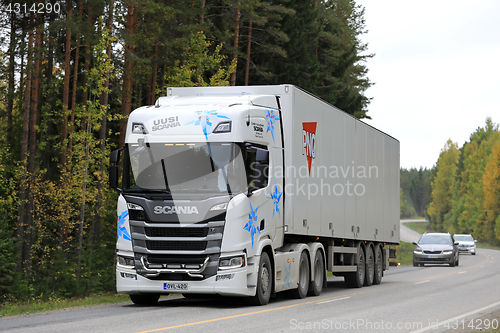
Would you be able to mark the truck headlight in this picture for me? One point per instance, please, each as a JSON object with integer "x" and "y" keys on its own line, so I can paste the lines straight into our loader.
{"x": 125, "y": 262}
{"x": 222, "y": 206}
{"x": 136, "y": 212}
{"x": 232, "y": 262}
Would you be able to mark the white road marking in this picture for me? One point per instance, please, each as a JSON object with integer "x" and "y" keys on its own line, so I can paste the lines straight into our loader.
{"x": 455, "y": 319}
{"x": 334, "y": 300}
{"x": 425, "y": 281}
{"x": 462, "y": 272}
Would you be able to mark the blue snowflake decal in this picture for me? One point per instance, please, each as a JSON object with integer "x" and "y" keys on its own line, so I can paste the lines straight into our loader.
{"x": 205, "y": 119}
{"x": 276, "y": 196}
{"x": 122, "y": 231}
{"x": 271, "y": 118}
{"x": 287, "y": 283}
{"x": 251, "y": 225}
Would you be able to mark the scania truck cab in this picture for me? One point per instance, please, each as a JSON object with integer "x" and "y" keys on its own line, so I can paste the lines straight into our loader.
{"x": 204, "y": 206}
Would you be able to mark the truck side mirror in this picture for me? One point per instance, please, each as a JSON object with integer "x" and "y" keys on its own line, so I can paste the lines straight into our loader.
{"x": 113, "y": 169}
{"x": 115, "y": 156}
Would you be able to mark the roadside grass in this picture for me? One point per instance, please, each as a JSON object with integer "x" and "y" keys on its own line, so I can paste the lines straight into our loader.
{"x": 56, "y": 303}
{"x": 488, "y": 246}
{"x": 415, "y": 218}
{"x": 420, "y": 227}
{"x": 404, "y": 253}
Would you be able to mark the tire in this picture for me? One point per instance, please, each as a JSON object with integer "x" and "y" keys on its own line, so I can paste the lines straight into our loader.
{"x": 370, "y": 267}
{"x": 145, "y": 299}
{"x": 473, "y": 253}
{"x": 264, "y": 281}
{"x": 452, "y": 264}
{"x": 304, "y": 277}
{"x": 379, "y": 266}
{"x": 458, "y": 260}
{"x": 316, "y": 286}
{"x": 357, "y": 279}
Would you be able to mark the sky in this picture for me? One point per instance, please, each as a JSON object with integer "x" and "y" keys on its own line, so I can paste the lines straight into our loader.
{"x": 436, "y": 71}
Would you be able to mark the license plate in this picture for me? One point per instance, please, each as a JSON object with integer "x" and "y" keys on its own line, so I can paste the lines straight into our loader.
{"x": 432, "y": 256}
{"x": 175, "y": 286}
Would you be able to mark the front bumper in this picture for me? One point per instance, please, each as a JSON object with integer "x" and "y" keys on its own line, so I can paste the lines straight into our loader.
{"x": 433, "y": 258}
{"x": 470, "y": 250}
{"x": 235, "y": 282}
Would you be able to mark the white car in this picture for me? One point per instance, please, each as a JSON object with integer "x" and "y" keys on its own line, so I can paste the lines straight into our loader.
{"x": 466, "y": 243}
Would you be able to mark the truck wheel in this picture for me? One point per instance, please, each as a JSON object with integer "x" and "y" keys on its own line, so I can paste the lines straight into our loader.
{"x": 370, "y": 267}
{"x": 357, "y": 279}
{"x": 145, "y": 299}
{"x": 303, "y": 286}
{"x": 264, "y": 281}
{"x": 379, "y": 266}
{"x": 316, "y": 286}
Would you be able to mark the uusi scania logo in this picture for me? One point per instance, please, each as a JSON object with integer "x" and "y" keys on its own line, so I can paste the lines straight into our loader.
{"x": 176, "y": 210}
{"x": 309, "y": 142}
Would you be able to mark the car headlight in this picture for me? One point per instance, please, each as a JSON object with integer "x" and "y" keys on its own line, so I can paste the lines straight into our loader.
{"x": 417, "y": 251}
{"x": 232, "y": 262}
{"x": 447, "y": 252}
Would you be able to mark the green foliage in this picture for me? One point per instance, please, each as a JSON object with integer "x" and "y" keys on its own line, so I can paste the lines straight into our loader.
{"x": 60, "y": 240}
{"x": 416, "y": 187}
{"x": 465, "y": 190}
{"x": 406, "y": 210}
{"x": 198, "y": 67}
{"x": 442, "y": 186}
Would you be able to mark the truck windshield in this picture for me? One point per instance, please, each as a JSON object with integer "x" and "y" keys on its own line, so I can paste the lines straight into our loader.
{"x": 184, "y": 167}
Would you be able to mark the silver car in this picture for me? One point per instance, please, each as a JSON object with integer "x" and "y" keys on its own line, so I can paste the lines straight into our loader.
{"x": 436, "y": 248}
{"x": 466, "y": 243}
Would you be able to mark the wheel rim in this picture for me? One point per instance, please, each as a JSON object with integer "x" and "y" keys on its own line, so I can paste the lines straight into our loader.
{"x": 361, "y": 265}
{"x": 302, "y": 275}
{"x": 371, "y": 265}
{"x": 379, "y": 264}
{"x": 318, "y": 272}
{"x": 264, "y": 279}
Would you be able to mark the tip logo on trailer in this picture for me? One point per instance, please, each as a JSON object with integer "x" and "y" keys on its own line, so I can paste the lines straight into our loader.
{"x": 309, "y": 142}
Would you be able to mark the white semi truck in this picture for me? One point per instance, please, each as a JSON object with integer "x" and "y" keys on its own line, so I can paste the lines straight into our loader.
{"x": 250, "y": 191}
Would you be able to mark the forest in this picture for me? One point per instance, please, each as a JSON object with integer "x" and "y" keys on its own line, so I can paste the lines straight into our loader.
{"x": 415, "y": 187}
{"x": 461, "y": 192}
{"x": 465, "y": 188}
{"x": 71, "y": 72}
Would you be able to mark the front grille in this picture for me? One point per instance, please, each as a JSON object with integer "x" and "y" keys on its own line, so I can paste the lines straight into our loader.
{"x": 432, "y": 259}
{"x": 432, "y": 252}
{"x": 176, "y": 245}
{"x": 176, "y": 232}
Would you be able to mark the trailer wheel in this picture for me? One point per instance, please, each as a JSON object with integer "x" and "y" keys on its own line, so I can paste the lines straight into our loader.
{"x": 264, "y": 281}
{"x": 370, "y": 267}
{"x": 316, "y": 286}
{"x": 304, "y": 272}
{"x": 145, "y": 299}
{"x": 357, "y": 279}
{"x": 379, "y": 266}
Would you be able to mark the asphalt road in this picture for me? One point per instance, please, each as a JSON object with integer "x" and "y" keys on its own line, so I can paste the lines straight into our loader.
{"x": 406, "y": 234}
{"x": 410, "y": 299}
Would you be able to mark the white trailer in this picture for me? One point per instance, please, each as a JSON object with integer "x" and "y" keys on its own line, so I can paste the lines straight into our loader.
{"x": 249, "y": 191}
